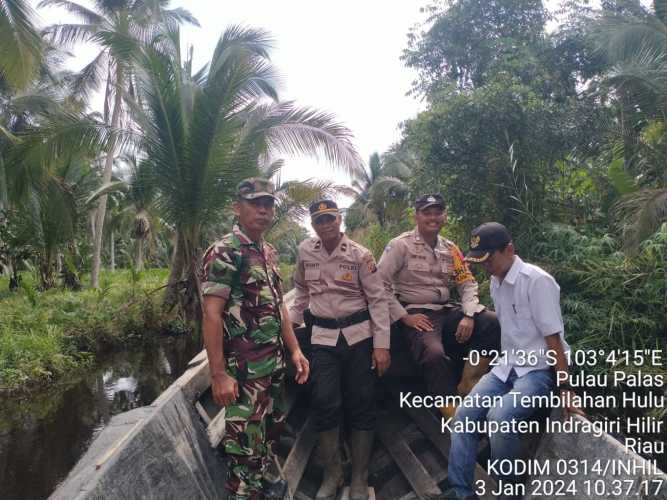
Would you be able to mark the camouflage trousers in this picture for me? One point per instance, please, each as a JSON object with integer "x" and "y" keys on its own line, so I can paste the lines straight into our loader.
{"x": 253, "y": 424}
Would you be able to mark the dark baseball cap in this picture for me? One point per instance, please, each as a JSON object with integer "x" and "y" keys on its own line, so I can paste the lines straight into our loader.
{"x": 323, "y": 207}
{"x": 429, "y": 200}
{"x": 255, "y": 187}
{"x": 486, "y": 239}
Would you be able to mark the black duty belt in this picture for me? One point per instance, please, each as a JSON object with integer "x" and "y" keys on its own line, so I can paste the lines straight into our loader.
{"x": 337, "y": 323}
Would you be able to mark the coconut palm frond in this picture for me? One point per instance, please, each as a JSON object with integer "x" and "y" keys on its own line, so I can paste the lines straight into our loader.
{"x": 116, "y": 186}
{"x": 639, "y": 215}
{"x": 89, "y": 79}
{"x": 289, "y": 129}
{"x": 88, "y": 16}
{"x": 20, "y": 42}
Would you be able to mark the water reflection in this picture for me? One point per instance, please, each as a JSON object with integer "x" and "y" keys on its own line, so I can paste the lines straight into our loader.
{"x": 41, "y": 439}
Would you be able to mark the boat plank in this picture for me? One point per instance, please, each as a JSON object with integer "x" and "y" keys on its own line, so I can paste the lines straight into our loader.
{"x": 429, "y": 425}
{"x": 296, "y": 462}
{"x": 413, "y": 470}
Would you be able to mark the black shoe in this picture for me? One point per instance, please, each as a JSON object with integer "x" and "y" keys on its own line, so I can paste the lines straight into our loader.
{"x": 274, "y": 490}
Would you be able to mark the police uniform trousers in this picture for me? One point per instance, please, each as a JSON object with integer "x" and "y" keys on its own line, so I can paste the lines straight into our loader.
{"x": 439, "y": 355}
{"x": 253, "y": 424}
{"x": 343, "y": 385}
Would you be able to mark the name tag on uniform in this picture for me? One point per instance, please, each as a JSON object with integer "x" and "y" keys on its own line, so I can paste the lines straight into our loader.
{"x": 418, "y": 265}
{"x": 347, "y": 273}
{"x": 311, "y": 271}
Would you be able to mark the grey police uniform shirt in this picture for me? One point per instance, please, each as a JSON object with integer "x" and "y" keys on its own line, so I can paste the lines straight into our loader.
{"x": 421, "y": 277}
{"x": 337, "y": 285}
{"x": 527, "y": 303}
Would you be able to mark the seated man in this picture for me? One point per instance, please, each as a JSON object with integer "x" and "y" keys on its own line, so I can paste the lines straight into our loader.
{"x": 526, "y": 299}
{"x": 418, "y": 268}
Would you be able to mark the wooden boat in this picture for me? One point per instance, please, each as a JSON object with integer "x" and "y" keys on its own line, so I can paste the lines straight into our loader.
{"x": 164, "y": 451}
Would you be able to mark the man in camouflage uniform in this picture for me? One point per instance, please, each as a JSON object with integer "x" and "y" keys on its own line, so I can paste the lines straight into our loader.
{"x": 245, "y": 325}
{"x": 419, "y": 268}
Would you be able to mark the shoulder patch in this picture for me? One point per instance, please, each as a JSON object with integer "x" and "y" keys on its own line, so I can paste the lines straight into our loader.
{"x": 369, "y": 262}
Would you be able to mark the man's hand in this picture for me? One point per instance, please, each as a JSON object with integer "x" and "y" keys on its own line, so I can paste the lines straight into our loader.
{"x": 225, "y": 389}
{"x": 419, "y": 322}
{"x": 464, "y": 330}
{"x": 570, "y": 409}
{"x": 381, "y": 361}
{"x": 302, "y": 367}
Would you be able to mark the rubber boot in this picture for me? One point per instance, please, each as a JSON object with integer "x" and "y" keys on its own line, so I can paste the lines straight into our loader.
{"x": 472, "y": 374}
{"x": 361, "y": 447}
{"x": 333, "y": 470}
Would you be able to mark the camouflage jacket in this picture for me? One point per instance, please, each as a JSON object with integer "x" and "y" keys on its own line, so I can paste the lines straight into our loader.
{"x": 245, "y": 274}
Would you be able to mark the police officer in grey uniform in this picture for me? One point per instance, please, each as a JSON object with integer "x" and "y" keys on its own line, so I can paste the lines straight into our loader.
{"x": 419, "y": 268}
{"x": 336, "y": 279}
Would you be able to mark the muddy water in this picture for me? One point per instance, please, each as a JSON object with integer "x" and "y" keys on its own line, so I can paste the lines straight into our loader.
{"x": 42, "y": 438}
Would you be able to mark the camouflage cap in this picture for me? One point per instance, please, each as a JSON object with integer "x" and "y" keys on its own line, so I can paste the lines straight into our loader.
{"x": 255, "y": 187}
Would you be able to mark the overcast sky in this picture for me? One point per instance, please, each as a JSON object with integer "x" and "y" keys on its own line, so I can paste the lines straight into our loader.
{"x": 342, "y": 57}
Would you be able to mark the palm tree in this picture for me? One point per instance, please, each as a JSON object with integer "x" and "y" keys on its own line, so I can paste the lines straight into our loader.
{"x": 378, "y": 189}
{"x": 117, "y": 26}
{"x": 44, "y": 155}
{"x": 204, "y": 131}
{"x": 137, "y": 205}
{"x": 20, "y": 42}
{"x": 635, "y": 44}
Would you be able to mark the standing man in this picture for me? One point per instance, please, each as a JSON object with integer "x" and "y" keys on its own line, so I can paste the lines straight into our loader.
{"x": 418, "y": 269}
{"x": 243, "y": 304}
{"x": 527, "y": 301}
{"x": 336, "y": 279}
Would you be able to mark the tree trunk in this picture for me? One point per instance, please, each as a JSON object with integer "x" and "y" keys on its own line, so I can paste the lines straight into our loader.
{"x": 69, "y": 273}
{"x": 47, "y": 271}
{"x": 176, "y": 273}
{"x": 106, "y": 178}
{"x": 3, "y": 185}
{"x": 139, "y": 255}
{"x": 112, "y": 250}
{"x": 184, "y": 283}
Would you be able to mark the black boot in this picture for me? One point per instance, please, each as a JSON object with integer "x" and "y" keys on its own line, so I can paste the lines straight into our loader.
{"x": 361, "y": 444}
{"x": 274, "y": 490}
{"x": 333, "y": 469}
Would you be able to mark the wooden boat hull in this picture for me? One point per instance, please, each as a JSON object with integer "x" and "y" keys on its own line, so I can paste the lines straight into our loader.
{"x": 163, "y": 451}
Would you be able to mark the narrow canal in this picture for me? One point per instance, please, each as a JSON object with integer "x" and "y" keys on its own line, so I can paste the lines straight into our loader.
{"x": 42, "y": 438}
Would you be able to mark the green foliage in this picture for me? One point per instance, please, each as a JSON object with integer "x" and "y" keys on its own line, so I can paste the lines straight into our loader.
{"x": 380, "y": 191}
{"x": 375, "y": 237}
{"x": 43, "y": 336}
{"x": 20, "y": 41}
{"x": 286, "y": 270}
{"x": 609, "y": 301}
{"x": 468, "y": 40}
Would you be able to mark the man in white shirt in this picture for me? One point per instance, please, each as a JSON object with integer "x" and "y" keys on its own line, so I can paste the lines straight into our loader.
{"x": 527, "y": 302}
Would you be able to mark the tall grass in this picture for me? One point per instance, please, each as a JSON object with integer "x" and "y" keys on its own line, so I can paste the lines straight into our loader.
{"x": 44, "y": 336}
